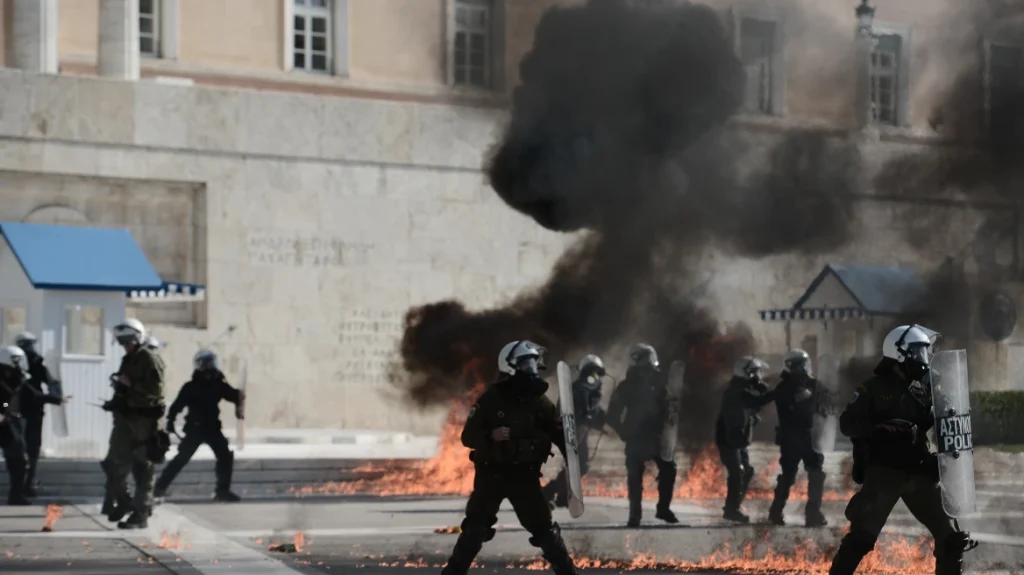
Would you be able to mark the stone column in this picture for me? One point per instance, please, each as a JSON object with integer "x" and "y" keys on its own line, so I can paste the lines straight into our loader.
{"x": 119, "y": 39}
{"x": 34, "y": 36}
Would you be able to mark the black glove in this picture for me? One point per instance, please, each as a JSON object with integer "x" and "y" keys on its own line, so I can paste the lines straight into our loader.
{"x": 898, "y": 430}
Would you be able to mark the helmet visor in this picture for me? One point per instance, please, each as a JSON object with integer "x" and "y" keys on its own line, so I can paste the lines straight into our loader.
{"x": 920, "y": 353}
{"x": 528, "y": 364}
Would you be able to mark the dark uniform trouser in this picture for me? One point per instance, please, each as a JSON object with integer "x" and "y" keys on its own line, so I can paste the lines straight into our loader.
{"x": 791, "y": 452}
{"x": 739, "y": 473}
{"x": 521, "y": 486}
{"x": 869, "y": 509}
{"x": 127, "y": 454}
{"x": 194, "y": 437}
{"x": 558, "y": 489}
{"x": 636, "y": 462}
{"x": 14, "y": 456}
{"x": 33, "y": 442}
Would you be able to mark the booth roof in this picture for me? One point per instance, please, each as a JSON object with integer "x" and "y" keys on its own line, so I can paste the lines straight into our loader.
{"x": 80, "y": 258}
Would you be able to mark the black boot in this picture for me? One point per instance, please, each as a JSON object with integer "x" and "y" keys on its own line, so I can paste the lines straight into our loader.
{"x": 851, "y": 551}
{"x": 224, "y": 469}
{"x": 779, "y": 502}
{"x": 815, "y": 491}
{"x": 733, "y": 497}
{"x": 636, "y": 512}
{"x": 666, "y": 484}
{"x": 137, "y": 520}
{"x": 30, "y": 478}
{"x": 553, "y": 547}
{"x": 466, "y": 549}
{"x": 949, "y": 556}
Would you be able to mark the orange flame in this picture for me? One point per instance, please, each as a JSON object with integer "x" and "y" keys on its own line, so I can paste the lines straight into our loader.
{"x": 170, "y": 542}
{"x": 53, "y": 513}
{"x": 299, "y": 540}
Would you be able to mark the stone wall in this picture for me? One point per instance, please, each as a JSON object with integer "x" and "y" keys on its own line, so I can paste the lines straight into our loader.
{"x": 325, "y": 219}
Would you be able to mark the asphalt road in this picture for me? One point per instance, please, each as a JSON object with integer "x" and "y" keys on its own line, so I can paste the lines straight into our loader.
{"x": 370, "y": 535}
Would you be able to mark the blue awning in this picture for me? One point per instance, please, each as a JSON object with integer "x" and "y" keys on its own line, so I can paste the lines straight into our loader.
{"x": 77, "y": 258}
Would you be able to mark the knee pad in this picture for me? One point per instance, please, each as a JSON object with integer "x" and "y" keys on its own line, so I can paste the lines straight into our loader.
{"x": 477, "y": 530}
{"x": 544, "y": 537}
{"x": 860, "y": 541}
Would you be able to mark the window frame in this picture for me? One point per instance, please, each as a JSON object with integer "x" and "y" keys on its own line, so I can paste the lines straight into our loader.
{"x": 904, "y": 62}
{"x": 308, "y": 14}
{"x": 755, "y": 10}
{"x": 338, "y": 37}
{"x": 156, "y": 34}
{"x": 494, "y": 65}
{"x": 64, "y": 339}
{"x": 4, "y": 306}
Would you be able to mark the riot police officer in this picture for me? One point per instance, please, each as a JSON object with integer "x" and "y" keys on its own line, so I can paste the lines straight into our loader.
{"x": 586, "y": 402}
{"x": 510, "y": 430}
{"x": 734, "y": 430}
{"x": 201, "y": 396}
{"x": 796, "y": 400}
{"x": 137, "y": 406}
{"x": 642, "y": 395}
{"x": 41, "y": 389}
{"x": 13, "y": 374}
{"x": 891, "y": 413}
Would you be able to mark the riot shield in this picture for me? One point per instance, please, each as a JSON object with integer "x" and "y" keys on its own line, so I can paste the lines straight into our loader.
{"x": 670, "y": 433}
{"x": 240, "y": 412}
{"x": 59, "y": 412}
{"x": 951, "y": 405}
{"x": 572, "y": 454}
{"x": 825, "y": 423}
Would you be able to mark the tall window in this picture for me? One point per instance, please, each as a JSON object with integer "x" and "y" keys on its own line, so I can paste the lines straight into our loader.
{"x": 311, "y": 41}
{"x": 757, "y": 45}
{"x": 1006, "y": 85}
{"x": 885, "y": 79}
{"x": 472, "y": 50}
{"x": 149, "y": 28}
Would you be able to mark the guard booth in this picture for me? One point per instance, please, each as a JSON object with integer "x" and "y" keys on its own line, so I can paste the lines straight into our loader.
{"x": 845, "y": 312}
{"x": 69, "y": 286}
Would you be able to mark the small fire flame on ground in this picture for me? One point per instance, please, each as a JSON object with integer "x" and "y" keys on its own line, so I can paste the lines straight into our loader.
{"x": 450, "y": 472}
{"x": 892, "y": 557}
{"x": 296, "y": 546}
{"x": 53, "y": 513}
{"x": 170, "y": 542}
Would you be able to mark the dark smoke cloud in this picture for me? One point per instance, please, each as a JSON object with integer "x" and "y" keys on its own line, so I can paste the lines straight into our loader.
{"x": 618, "y": 128}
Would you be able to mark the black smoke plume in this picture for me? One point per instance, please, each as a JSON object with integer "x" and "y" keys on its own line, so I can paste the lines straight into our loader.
{"x": 619, "y": 128}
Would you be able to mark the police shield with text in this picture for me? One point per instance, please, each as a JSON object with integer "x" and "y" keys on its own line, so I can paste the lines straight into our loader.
{"x": 40, "y": 390}
{"x": 586, "y": 401}
{"x": 796, "y": 399}
{"x": 13, "y": 374}
{"x": 952, "y": 409}
{"x": 891, "y": 414}
{"x": 510, "y": 430}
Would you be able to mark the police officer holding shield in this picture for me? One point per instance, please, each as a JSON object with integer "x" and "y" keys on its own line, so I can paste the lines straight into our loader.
{"x": 890, "y": 415}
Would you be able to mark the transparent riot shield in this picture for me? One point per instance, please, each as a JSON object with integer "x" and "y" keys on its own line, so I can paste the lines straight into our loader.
{"x": 826, "y": 422}
{"x": 952, "y": 410}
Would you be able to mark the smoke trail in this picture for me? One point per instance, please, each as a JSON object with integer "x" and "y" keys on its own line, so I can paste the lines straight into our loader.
{"x": 618, "y": 128}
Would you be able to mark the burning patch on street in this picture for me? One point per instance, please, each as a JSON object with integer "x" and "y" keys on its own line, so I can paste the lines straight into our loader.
{"x": 53, "y": 513}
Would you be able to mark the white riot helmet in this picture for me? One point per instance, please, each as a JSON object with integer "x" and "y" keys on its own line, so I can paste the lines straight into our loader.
{"x": 25, "y": 340}
{"x": 749, "y": 368}
{"x": 130, "y": 331}
{"x": 205, "y": 360}
{"x": 14, "y": 358}
{"x": 910, "y": 346}
{"x": 521, "y": 355}
{"x": 591, "y": 365}
{"x": 643, "y": 354}
{"x": 797, "y": 362}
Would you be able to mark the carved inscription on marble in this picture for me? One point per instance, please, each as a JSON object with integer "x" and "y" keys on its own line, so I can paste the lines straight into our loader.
{"x": 306, "y": 250}
{"x": 367, "y": 343}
